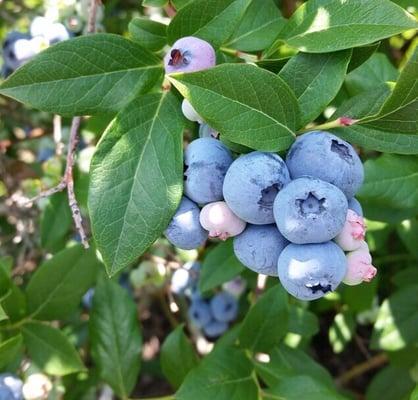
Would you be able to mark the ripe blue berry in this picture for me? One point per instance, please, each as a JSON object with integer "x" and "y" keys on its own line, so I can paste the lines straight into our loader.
{"x": 224, "y": 307}
{"x": 354, "y": 204}
{"x": 199, "y": 313}
{"x": 214, "y": 329}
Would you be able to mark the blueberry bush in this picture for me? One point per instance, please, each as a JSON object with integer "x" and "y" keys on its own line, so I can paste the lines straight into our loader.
{"x": 209, "y": 199}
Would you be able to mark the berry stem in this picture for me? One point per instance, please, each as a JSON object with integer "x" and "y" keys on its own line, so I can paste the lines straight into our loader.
{"x": 240, "y": 54}
{"x": 336, "y": 123}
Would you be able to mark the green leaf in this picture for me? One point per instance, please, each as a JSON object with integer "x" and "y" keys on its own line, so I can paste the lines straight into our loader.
{"x": 178, "y": 357}
{"x": 211, "y": 20}
{"x": 51, "y": 350}
{"x": 86, "y": 75}
{"x": 360, "y": 297}
{"x": 3, "y": 314}
{"x": 321, "y": 26}
{"x": 154, "y": 3}
{"x": 286, "y": 362}
{"x": 9, "y": 350}
{"x": 219, "y": 265}
{"x": 373, "y": 73}
{"x": 249, "y": 105}
{"x": 136, "y": 178}
{"x": 180, "y": 3}
{"x": 390, "y": 383}
{"x": 150, "y": 34}
{"x": 405, "y": 277}
{"x": 5, "y": 282}
{"x": 315, "y": 79}
{"x": 266, "y": 322}
{"x": 296, "y": 387}
{"x": 414, "y": 394}
{"x": 258, "y": 28}
{"x": 397, "y": 320}
{"x": 56, "y": 221}
{"x": 408, "y": 233}
{"x": 399, "y": 113}
{"x": 341, "y": 331}
{"x": 391, "y": 179}
{"x": 302, "y": 322}
{"x": 361, "y": 54}
{"x": 56, "y": 288}
{"x": 226, "y": 374}
{"x": 14, "y": 304}
{"x": 115, "y": 337}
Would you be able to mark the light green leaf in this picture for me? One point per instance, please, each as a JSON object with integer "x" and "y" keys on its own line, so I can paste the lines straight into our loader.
{"x": 315, "y": 79}
{"x": 56, "y": 221}
{"x": 180, "y": 3}
{"x": 258, "y": 28}
{"x": 286, "y": 362}
{"x": 86, "y": 75}
{"x": 414, "y": 394}
{"x": 266, "y": 322}
{"x": 390, "y": 383}
{"x": 397, "y": 321}
{"x": 136, "y": 178}
{"x": 5, "y": 282}
{"x": 297, "y": 387}
{"x": 150, "y": 34}
{"x": 321, "y": 26}
{"x": 226, "y": 374}
{"x": 9, "y": 349}
{"x": 3, "y": 314}
{"x": 115, "y": 337}
{"x": 56, "y": 288}
{"x": 391, "y": 179}
{"x": 14, "y": 304}
{"x": 50, "y": 349}
{"x": 220, "y": 265}
{"x": 211, "y": 20}
{"x": 341, "y": 331}
{"x": 247, "y": 104}
{"x": 372, "y": 74}
{"x": 154, "y": 3}
{"x": 399, "y": 113}
{"x": 178, "y": 357}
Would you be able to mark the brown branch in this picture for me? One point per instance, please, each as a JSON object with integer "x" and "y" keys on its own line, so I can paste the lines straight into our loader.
{"x": 359, "y": 369}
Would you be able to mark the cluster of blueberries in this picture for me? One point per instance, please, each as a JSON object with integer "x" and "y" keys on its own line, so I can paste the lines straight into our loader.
{"x": 18, "y": 48}
{"x": 292, "y": 218}
{"x": 36, "y": 387}
{"x": 210, "y": 315}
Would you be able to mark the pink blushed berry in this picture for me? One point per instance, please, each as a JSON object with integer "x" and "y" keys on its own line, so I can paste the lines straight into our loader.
{"x": 359, "y": 267}
{"x": 353, "y": 232}
{"x": 220, "y": 221}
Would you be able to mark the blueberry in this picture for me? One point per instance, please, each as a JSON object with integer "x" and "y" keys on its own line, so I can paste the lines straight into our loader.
{"x": 199, "y": 313}
{"x": 251, "y": 185}
{"x": 354, "y": 204}
{"x": 184, "y": 230}
{"x": 224, "y": 307}
{"x": 189, "y": 112}
{"x": 189, "y": 54}
{"x": 45, "y": 154}
{"x": 206, "y": 162}
{"x": 10, "y": 387}
{"x": 214, "y": 329}
{"x": 309, "y": 210}
{"x": 11, "y": 61}
{"x": 326, "y": 157}
{"x": 180, "y": 280}
{"x": 310, "y": 271}
{"x": 259, "y": 247}
{"x": 87, "y": 299}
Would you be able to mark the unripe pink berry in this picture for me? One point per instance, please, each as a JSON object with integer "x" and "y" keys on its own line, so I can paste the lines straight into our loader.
{"x": 189, "y": 54}
{"x": 190, "y": 113}
{"x": 220, "y": 221}
{"x": 359, "y": 267}
{"x": 353, "y": 232}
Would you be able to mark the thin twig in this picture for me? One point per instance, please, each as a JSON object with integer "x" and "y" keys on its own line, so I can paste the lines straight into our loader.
{"x": 359, "y": 369}
{"x": 57, "y": 133}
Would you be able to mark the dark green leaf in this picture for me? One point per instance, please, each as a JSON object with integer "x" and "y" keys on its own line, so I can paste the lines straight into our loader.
{"x": 9, "y": 349}
{"x": 154, "y": 3}
{"x": 397, "y": 321}
{"x": 361, "y": 54}
{"x": 390, "y": 383}
{"x": 258, "y": 28}
{"x": 391, "y": 179}
{"x": 408, "y": 276}
{"x": 220, "y": 265}
{"x": 408, "y": 232}
{"x": 274, "y": 65}
{"x": 177, "y": 357}
{"x": 372, "y": 74}
{"x": 86, "y": 75}
{"x": 302, "y": 322}
{"x": 14, "y": 304}
{"x": 320, "y": 26}
{"x": 136, "y": 178}
{"x": 180, "y": 3}
{"x": 341, "y": 331}
{"x": 286, "y": 362}
{"x": 226, "y": 374}
{"x": 315, "y": 79}
{"x": 150, "y": 34}
{"x": 5, "y": 282}
{"x": 56, "y": 221}
{"x": 50, "y": 349}
{"x": 56, "y": 288}
{"x": 115, "y": 337}
{"x": 266, "y": 322}
{"x": 211, "y": 20}
{"x": 249, "y": 105}
{"x": 360, "y": 297}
